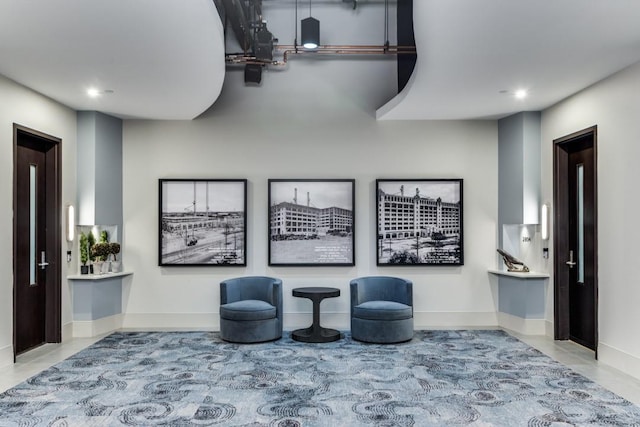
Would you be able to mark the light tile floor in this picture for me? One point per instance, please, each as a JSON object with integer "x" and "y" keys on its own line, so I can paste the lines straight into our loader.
{"x": 582, "y": 360}
{"x": 568, "y": 353}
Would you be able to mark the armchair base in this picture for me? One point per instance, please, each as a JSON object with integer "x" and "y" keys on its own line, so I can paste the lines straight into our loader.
{"x": 382, "y": 332}
{"x": 252, "y": 331}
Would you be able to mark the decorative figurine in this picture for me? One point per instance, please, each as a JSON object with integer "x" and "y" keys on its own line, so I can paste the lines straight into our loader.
{"x": 513, "y": 264}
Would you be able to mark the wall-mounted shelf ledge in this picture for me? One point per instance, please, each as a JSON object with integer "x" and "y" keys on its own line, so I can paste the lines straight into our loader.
{"x": 94, "y": 277}
{"x": 524, "y": 276}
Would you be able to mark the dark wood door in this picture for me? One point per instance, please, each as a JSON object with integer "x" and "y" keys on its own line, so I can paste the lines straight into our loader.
{"x": 30, "y": 291}
{"x": 36, "y": 241}
{"x": 581, "y": 241}
{"x": 576, "y": 239}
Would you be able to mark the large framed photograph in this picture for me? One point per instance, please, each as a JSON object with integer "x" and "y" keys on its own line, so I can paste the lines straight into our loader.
{"x": 203, "y": 222}
{"x": 311, "y": 222}
{"x": 419, "y": 222}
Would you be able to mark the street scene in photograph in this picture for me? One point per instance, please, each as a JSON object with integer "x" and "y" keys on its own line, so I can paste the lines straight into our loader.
{"x": 203, "y": 222}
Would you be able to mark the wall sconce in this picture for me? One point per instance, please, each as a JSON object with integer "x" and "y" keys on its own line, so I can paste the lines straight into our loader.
{"x": 544, "y": 229}
{"x": 71, "y": 223}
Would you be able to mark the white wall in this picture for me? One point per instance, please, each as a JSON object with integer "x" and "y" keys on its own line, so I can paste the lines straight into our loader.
{"x": 23, "y": 106}
{"x": 315, "y": 120}
{"x": 614, "y": 106}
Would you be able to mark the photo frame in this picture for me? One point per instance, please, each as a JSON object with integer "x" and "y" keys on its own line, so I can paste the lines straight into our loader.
{"x": 202, "y": 222}
{"x": 311, "y": 222}
{"x": 419, "y": 222}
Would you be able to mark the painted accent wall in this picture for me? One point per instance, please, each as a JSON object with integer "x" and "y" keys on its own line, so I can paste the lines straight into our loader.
{"x": 21, "y": 105}
{"x": 99, "y": 203}
{"x": 100, "y": 165}
{"x": 614, "y": 106}
{"x": 320, "y": 125}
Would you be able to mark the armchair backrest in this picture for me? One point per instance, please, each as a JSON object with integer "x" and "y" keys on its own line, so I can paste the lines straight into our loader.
{"x": 261, "y": 288}
{"x": 384, "y": 288}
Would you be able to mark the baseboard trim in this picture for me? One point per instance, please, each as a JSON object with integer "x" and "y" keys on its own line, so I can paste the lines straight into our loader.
{"x": 193, "y": 321}
{"x": 454, "y": 320}
{"x": 6, "y": 356}
{"x": 550, "y": 329}
{"x": 621, "y": 360}
{"x": 341, "y": 321}
{"x": 67, "y": 331}
{"x": 92, "y": 328}
{"x": 521, "y": 325}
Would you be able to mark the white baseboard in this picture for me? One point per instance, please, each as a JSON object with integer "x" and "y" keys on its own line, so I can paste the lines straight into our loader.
{"x": 454, "y": 320}
{"x": 92, "y": 328}
{"x": 193, "y": 321}
{"x": 341, "y": 321}
{"x": 211, "y": 321}
{"x": 421, "y": 320}
{"x": 67, "y": 331}
{"x": 550, "y": 329}
{"x": 6, "y": 356}
{"x": 621, "y": 360}
{"x": 522, "y": 326}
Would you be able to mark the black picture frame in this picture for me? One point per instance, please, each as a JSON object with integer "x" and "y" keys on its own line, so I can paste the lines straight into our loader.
{"x": 320, "y": 230}
{"x": 202, "y": 222}
{"x": 419, "y": 222}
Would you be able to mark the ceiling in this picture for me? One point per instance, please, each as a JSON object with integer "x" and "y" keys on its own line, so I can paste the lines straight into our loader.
{"x": 474, "y": 54}
{"x": 164, "y": 59}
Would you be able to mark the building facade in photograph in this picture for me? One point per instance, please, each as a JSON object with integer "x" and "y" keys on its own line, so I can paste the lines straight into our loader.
{"x": 402, "y": 216}
{"x": 290, "y": 219}
{"x": 182, "y": 223}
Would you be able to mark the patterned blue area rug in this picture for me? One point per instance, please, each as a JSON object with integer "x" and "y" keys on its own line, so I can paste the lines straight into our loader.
{"x": 440, "y": 378}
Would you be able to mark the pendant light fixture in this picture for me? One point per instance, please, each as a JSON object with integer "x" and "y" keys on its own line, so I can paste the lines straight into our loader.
{"x": 310, "y": 29}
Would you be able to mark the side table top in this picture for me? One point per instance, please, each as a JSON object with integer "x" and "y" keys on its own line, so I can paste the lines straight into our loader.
{"x": 315, "y": 291}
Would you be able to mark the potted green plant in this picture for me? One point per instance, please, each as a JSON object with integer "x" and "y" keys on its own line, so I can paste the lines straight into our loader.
{"x": 114, "y": 249}
{"x": 100, "y": 252}
{"x": 91, "y": 240}
{"x": 103, "y": 237}
{"x": 83, "y": 242}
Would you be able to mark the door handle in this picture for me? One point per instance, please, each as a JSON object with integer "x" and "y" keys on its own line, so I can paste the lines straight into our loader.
{"x": 43, "y": 262}
{"x": 571, "y": 263}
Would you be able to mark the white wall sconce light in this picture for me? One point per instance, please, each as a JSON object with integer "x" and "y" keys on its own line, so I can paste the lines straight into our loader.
{"x": 544, "y": 229}
{"x": 71, "y": 223}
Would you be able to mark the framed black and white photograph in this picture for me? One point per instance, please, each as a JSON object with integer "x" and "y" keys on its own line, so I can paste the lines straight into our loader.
{"x": 311, "y": 222}
{"x": 203, "y": 222}
{"x": 419, "y": 222}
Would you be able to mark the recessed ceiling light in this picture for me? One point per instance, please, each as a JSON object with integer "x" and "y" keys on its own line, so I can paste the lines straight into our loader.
{"x": 94, "y": 93}
{"x": 521, "y": 94}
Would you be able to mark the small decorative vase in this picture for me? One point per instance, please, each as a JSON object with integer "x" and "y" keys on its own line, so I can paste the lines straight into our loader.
{"x": 84, "y": 269}
{"x": 106, "y": 266}
{"x": 115, "y": 266}
{"x": 97, "y": 267}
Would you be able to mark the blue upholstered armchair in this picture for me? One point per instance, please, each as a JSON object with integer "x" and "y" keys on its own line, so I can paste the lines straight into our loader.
{"x": 381, "y": 309}
{"x": 251, "y": 309}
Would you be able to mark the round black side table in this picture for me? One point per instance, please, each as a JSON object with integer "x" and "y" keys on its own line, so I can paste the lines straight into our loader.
{"x": 316, "y": 333}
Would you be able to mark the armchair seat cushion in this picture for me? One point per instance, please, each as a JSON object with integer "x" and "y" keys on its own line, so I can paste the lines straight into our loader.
{"x": 249, "y": 309}
{"x": 382, "y": 310}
